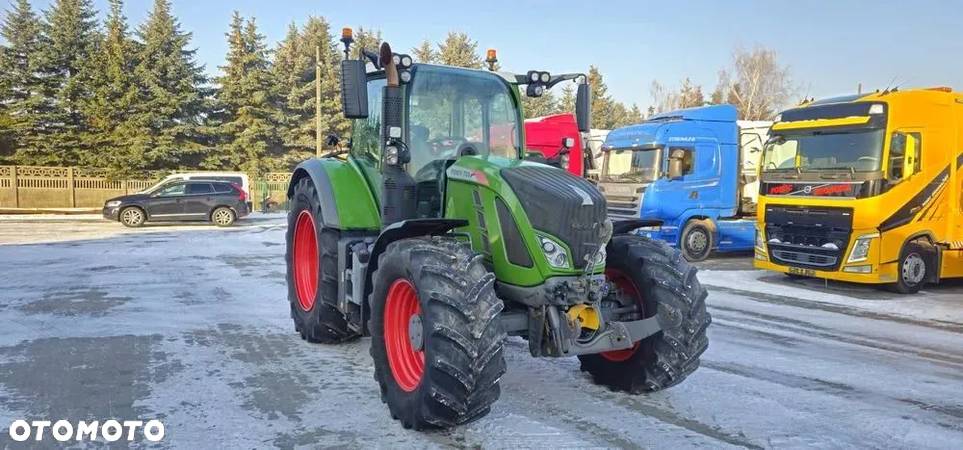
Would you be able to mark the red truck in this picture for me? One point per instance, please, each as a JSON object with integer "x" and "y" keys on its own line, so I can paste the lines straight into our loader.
{"x": 557, "y": 138}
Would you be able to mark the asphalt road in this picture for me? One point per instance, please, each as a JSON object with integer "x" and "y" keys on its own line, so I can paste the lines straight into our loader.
{"x": 189, "y": 325}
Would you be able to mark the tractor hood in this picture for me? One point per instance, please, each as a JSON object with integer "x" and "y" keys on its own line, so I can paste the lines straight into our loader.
{"x": 554, "y": 202}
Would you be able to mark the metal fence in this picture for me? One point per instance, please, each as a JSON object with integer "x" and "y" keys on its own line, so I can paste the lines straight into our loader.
{"x": 81, "y": 187}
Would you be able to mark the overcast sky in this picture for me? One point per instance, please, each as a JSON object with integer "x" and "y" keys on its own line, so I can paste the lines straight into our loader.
{"x": 829, "y": 45}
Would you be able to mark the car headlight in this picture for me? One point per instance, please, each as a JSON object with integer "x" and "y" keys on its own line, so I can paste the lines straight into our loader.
{"x": 556, "y": 255}
{"x": 861, "y": 248}
{"x": 113, "y": 203}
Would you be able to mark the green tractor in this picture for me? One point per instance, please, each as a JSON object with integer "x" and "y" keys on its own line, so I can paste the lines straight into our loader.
{"x": 436, "y": 239}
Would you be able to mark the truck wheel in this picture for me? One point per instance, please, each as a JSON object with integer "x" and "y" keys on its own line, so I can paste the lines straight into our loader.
{"x": 663, "y": 284}
{"x": 913, "y": 269}
{"x": 435, "y": 335}
{"x": 312, "y": 275}
{"x": 696, "y": 242}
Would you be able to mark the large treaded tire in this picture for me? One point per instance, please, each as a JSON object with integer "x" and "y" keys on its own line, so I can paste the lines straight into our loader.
{"x": 323, "y": 322}
{"x": 668, "y": 288}
{"x": 462, "y": 337}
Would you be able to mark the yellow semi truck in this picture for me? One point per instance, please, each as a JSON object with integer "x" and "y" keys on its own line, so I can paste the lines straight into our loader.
{"x": 865, "y": 189}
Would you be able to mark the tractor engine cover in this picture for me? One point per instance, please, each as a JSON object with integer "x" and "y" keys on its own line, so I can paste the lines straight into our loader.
{"x": 562, "y": 205}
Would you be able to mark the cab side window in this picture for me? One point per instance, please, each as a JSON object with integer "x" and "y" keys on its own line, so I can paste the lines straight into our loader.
{"x": 366, "y": 133}
{"x": 905, "y": 152}
{"x": 687, "y": 156}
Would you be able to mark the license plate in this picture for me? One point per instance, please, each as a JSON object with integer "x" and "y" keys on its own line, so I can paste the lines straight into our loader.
{"x": 803, "y": 272}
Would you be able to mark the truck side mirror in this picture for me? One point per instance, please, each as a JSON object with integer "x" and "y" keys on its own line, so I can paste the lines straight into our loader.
{"x": 583, "y": 108}
{"x": 676, "y": 162}
{"x": 354, "y": 89}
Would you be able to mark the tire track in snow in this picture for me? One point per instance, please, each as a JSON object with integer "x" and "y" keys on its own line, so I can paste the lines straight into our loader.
{"x": 739, "y": 316}
{"x": 839, "y": 390}
{"x": 648, "y": 408}
{"x": 763, "y": 297}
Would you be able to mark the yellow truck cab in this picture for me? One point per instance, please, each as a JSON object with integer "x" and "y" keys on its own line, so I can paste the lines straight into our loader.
{"x": 865, "y": 189}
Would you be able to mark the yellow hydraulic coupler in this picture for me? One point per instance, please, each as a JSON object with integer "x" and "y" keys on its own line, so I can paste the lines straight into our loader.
{"x": 585, "y": 316}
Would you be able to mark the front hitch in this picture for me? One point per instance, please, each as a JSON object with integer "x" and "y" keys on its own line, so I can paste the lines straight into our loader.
{"x": 615, "y": 336}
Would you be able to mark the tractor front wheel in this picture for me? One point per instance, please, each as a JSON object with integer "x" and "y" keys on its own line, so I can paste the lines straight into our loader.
{"x": 312, "y": 260}
{"x": 661, "y": 283}
{"x": 435, "y": 335}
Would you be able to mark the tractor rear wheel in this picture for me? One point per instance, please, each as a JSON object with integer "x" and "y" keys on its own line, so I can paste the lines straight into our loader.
{"x": 435, "y": 335}
{"x": 312, "y": 275}
{"x": 663, "y": 284}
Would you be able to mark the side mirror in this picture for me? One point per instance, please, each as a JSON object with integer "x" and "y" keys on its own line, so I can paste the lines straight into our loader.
{"x": 583, "y": 108}
{"x": 354, "y": 89}
{"x": 568, "y": 142}
{"x": 676, "y": 161}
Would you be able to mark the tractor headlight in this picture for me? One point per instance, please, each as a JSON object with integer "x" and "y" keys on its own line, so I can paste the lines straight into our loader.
{"x": 861, "y": 248}
{"x": 760, "y": 241}
{"x": 599, "y": 258}
{"x": 555, "y": 254}
{"x": 113, "y": 204}
{"x": 545, "y": 77}
{"x": 563, "y": 161}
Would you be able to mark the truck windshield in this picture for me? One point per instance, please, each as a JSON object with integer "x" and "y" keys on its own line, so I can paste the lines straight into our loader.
{"x": 858, "y": 151}
{"x": 454, "y": 110}
{"x": 631, "y": 166}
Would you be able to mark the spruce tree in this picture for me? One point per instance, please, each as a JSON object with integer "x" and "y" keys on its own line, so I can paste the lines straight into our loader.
{"x": 247, "y": 97}
{"x": 424, "y": 53}
{"x": 112, "y": 105}
{"x": 171, "y": 104}
{"x": 459, "y": 50}
{"x": 566, "y": 103}
{"x": 70, "y": 39}
{"x": 294, "y": 68}
{"x": 21, "y": 99}
{"x": 366, "y": 39}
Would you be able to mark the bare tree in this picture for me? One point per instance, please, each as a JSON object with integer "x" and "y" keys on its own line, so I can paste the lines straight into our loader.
{"x": 689, "y": 95}
{"x": 758, "y": 85}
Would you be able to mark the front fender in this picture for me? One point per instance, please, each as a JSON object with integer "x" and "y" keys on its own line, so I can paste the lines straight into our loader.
{"x": 347, "y": 202}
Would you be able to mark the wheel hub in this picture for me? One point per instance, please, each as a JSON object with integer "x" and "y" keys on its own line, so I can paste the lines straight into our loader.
{"x": 415, "y": 336}
{"x": 914, "y": 269}
{"x": 697, "y": 241}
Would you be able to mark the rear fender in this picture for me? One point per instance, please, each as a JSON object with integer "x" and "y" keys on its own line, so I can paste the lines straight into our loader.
{"x": 346, "y": 199}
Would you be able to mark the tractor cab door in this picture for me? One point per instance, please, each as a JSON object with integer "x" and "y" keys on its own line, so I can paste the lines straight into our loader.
{"x": 366, "y": 137}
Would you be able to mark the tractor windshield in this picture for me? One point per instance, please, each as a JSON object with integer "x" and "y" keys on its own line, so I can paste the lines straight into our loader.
{"x": 454, "y": 112}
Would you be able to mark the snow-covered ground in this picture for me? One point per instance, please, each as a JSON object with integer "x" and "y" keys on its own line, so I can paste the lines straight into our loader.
{"x": 190, "y": 324}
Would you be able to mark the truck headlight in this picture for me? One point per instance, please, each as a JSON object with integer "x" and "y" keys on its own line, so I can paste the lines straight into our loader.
{"x": 113, "y": 204}
{"x": 563, "y": 161}
{"x": 861, "y": 248}
{"x": 556, "y": 255}
{"x": 760, "y": 241}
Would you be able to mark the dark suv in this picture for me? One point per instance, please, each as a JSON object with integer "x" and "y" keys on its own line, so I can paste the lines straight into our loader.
{"x": 215, "y": 201}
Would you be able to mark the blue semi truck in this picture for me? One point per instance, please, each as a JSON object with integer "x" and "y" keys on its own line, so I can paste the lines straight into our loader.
{"x": 694, "y": 170}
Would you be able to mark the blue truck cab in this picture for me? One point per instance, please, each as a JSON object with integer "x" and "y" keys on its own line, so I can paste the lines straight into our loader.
{"x": 694, "y": 170}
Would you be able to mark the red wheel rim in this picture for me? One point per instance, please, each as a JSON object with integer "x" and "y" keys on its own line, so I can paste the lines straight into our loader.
{"x": 407, "y": 364}
{"x": 628, "y": 287}
{"x": 305, "y": 260}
